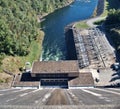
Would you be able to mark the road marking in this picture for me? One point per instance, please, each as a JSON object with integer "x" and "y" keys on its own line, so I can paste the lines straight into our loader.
{"x": 74, "y": 97}
{"x": 13, "y": 91}
{"x": 98, "y": 95}
{"x": 24, "y": 94}
{"x": 105, "y": 98}
{"x": 109, "y": 91}
{"x": 33, "y": 91}
{"x": 36, "y": 101}
{"x": 43, "y": 98}
{"x": 93, "y": 93}
{"x": 46, "y": 97}
{"x": 6, "y": 89}
{"x": 11, "y": 99}
{"x": 36, "y": 90}
{"x": 19, "y": 90}
{"x": 108, "y": 100}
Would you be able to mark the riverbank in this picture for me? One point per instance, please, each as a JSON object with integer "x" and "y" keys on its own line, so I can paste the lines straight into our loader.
{"x": 41, "y": 18}
{"x": 97, "y": 15}
{"x": 99, "y": 9}
{"x": 101, "y": 15}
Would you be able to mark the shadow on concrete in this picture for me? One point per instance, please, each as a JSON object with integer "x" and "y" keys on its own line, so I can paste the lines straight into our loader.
{"x": 116, "y": 76}
{"x": 116, "y": 85}
{"x": 27, "y": 77}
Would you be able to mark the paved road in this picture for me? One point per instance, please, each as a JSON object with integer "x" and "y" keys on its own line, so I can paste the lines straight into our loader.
{"x": 39, "y": 97}
{"x": 91, "y": 21}
{"x": 87, "y": 98}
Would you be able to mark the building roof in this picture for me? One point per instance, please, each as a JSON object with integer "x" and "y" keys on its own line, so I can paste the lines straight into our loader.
{"x": 84, "y": 79}
{"x": 55, "y": 67}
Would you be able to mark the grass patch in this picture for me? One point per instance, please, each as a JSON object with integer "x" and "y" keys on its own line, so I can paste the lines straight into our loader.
{"x": 35, "y": 51}
{"x": 81, "y": 25}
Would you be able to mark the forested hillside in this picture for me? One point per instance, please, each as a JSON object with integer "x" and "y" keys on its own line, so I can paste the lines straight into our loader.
{"x": 18, "y": 23}
{"x": 112, "y": 22}
{"x": 19, "y": 26}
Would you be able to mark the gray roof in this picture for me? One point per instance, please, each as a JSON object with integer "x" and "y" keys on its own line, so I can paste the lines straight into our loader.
{"x": 84, "y": 79}
{"x": 55, "y": 67}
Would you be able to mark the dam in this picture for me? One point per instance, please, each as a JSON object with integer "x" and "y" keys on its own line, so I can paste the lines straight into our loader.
{"x": 90, "y": 52}
{"x": 86, "y": 50}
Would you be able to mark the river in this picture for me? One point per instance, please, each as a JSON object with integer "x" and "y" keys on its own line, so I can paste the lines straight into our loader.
{"x": 54, "y": 46}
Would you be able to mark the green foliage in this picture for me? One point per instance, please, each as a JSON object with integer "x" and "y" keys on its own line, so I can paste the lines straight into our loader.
{"x": 115, "y": 35}
{"x": 18, "y": 23}
{"x": 113, "y": 4}
{"x": 18, "y": 27}
{"x": 47, "y": 6}
{"x": 99, "y": 22}
{"x": 112, "y": 25}
{"x": 113, "y": 17}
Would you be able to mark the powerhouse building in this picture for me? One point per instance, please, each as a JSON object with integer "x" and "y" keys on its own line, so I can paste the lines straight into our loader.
{"x": 63, "y": 74}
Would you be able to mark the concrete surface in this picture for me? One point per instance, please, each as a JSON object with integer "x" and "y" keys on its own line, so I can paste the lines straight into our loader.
{"x": 48, "y": 97}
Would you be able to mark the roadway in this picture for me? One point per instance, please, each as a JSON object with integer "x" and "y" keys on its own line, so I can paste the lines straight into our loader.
{"x": 40, "y": 97}
{"x": 90, "y": 22}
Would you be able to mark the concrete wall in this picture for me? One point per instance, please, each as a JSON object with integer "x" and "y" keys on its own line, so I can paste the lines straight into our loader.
{"x": 70, "y": 44}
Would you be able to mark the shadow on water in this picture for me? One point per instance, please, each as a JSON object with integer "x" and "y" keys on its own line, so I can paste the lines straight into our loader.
{"x": 71, "y": 51}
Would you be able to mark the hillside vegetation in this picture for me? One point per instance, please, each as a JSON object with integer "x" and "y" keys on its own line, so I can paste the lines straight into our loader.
{"x": 18, "y": 23}
{"x": 112, "y": 22}
{"x": 20, "y": 36}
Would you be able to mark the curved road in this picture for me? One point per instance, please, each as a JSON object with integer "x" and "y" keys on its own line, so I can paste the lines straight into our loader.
{"x": 91, "y": 21}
